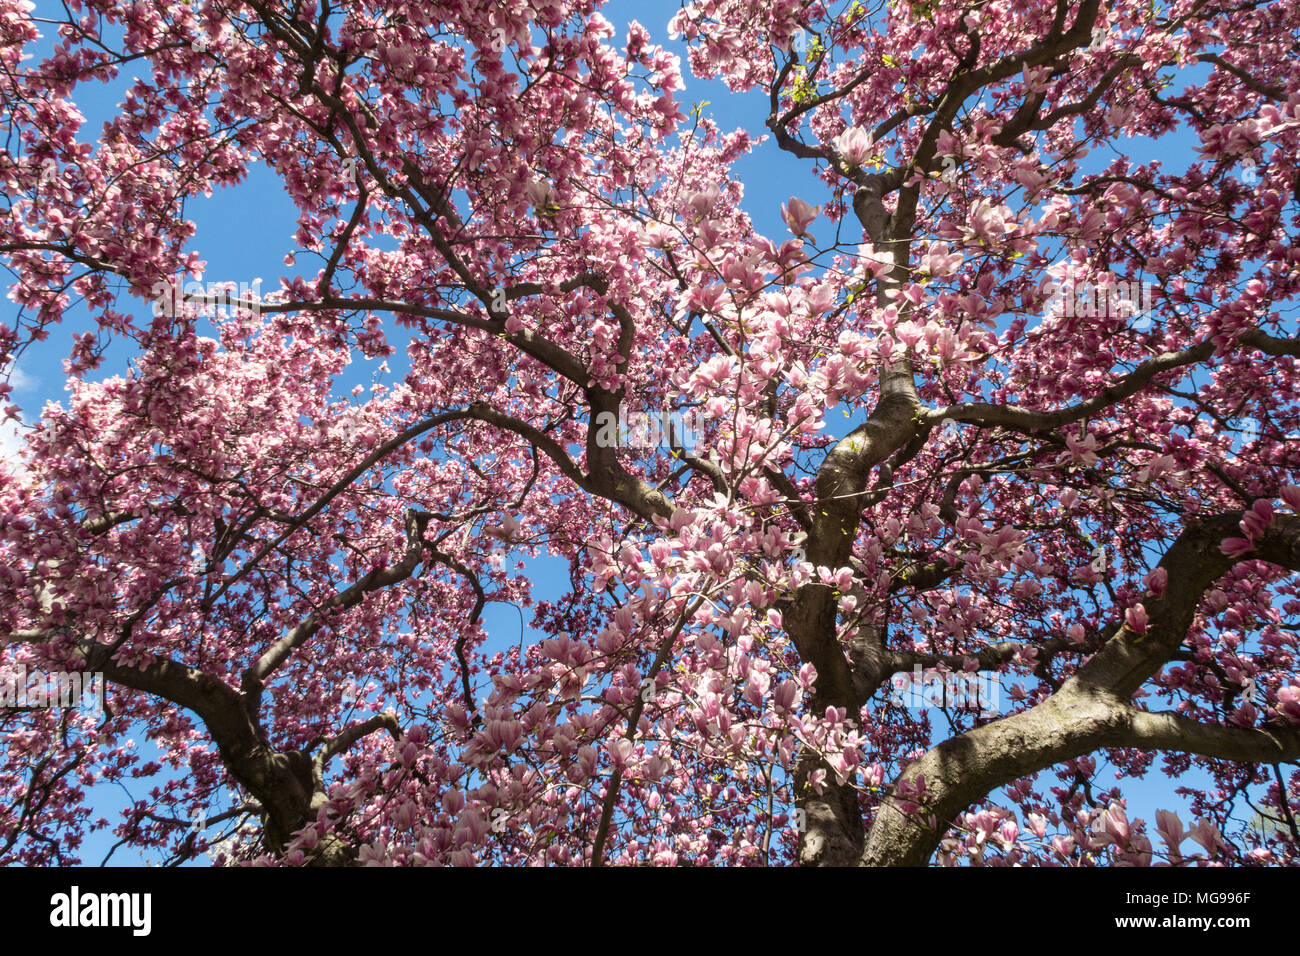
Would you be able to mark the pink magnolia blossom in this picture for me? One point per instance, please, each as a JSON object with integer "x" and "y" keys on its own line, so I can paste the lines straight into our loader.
{"x": 799, "y": 215}
{"x": 855, "y": 145}
{"x": 547, "y": 481}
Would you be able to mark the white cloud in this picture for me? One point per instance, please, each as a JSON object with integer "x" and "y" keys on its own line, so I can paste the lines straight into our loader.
{"x": 12, "y": 435}
{"x": 20, "y": 380}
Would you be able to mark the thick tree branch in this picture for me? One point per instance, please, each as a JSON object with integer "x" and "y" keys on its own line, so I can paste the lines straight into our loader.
{"x": 341, "y": 485}
{"x": 349, "y": 737}
{"x": 255, "y": 677}
{"x": 1172, "y": 731}
{"x": 1024, "y": 419}
{"x": 1091, "y": 709}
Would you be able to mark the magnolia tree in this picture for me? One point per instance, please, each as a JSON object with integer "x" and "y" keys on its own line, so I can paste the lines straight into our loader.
{"x": 913, "y": 536}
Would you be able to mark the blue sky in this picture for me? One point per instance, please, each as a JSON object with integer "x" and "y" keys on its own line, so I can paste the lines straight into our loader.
{"x": 245, "y": 232}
